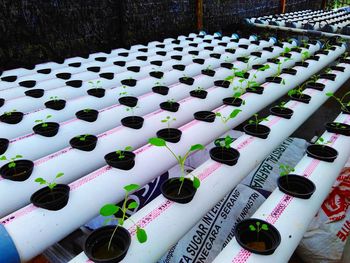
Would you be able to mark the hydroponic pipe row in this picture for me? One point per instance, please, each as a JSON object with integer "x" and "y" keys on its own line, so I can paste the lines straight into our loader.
{"x": 13, "y": 77}
{"x": 111, "y": 116}
{"x": 284, "y": 211}
{"x": 117, "y": 137}
{"x": 111, "y": 95}
{"x": 92, "y": 70}
{"x": 166, "y": 222}
{"x": 77, "y": 85}
{"x": 83, "y": 191}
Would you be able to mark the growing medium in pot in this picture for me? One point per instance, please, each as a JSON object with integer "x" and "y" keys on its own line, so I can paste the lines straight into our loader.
{"x": 88, "y": 115}
{"x": 255, "y": 129}
{"x": 224, "y": 153}
{"x": 169, "y": 134}
{"x": 121, "y": 159}
{"x": 12, "y": 117}
{"x": 47, "y": 129}
{"x": 282, "y": 111}
{"x": 86, "y": 142}
{"x": 321, "y": 151}
{"x": 16, "y": 169}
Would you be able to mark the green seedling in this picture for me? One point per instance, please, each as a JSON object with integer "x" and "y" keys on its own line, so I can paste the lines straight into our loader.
{"x": 54, "y": 98}
{"x": 109, "y": 210}
{"x": 168, "y": 120}
{"x": 238, "y": 91}
{"x": 224, "y": 144}
{"x": 87, "y": 110}
{"x": 82, "y": 137}
{"x": 95, "y": 85}
{"x": 132, "y": 110}
{"x": 285, "y": 170}
{"x": 304, "y": 56}
{"x": 285, "y": 51}
{"x": 209, "y": 67}
{"x": 171, "y": 102}
{"x": 12, "y": 163}
{"x": 341, "y": 101}
{"x": 233, "y": 76}
{"x": 258, "y": 228}
{"x": 158, "y": 142}
{"x": 297, "y": 91}
{"x": 43, "y": 122}
{"x": 339, "y": 125}
{"x": 232, "y": 115}
{"x": 9, "y": 113}
{"x": 198, "y": 90}
{"x": 321, "y": 141}
{"x": 185, "y": 77}
{"x": 120, "y": 153}
{"x": 158, "y": 83}
{"x": 327, "y": 46}
{"x": 124, "y": 92}
{"x": 256, "y": 120}
{"x": 52, "y": 184}
{"x": 282, "y": 105}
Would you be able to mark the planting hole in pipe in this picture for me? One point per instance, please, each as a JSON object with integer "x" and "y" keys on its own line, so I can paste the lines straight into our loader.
{"x": 199, "y": 93}
{"x": 170, "y": 135}
{"x": 206, "y": 116}
{"x": 232, "y": 101}
{"x": 119, "y": 63}
{"x": 4, "y": 143}
{"x": 128, "y": 101}
{"x": 338, "y": 128}
{"x": 134, "y": 69}
{"x": 142, "y": 58}
{"x": 74, "y": 65}
{"x": 215, "y": 55}
{"x": 97, "y": 92}
{"x": 94, "y": 69}
{"x": 129, "y": 82}
{"x": 179, "y": 67}
{"x": 2, "y": 102}
{"x": 133, "y": 122}
{"x": 12, "y": 117}
{"x": 74, "y": 83}
{"x": 257, "y": 236}
{"x": 51, "y": 199}
{"x": 256, "y": 90}
{"x": 161, "y": 53}
{"x": 170, "y": 190}
{"x": 226, "y": 65}
{"x": 302, "y": 64}
{"x": 121, "y": 159}
{"x": 157, "y": 63}
{"x": 88, "y": 115}
{"x": 301, "y": 97}
{"x": 208, "y": 72}
{"x": 46, "y": 70}
{"x": 170, "y": 105}
{"x": 222, "y": 83}
{"x": 296, "y": 186}
{"x": 187, "y": 80}
{"x": 27, "y": 83}
{"x": 156, "y": 74}
{"x": 316, "y": 86}
{"x": 97, "y": 249}
{"x": 64, "y": 76}
{"x": 162, "y": 90}
{"x": 55, "y": 104}
{"x": 107, "y": 75}
{"x": 84, "y": 142}
{"x": 101, "y": 59}
{"x": 9, "y": 78}
{"x": 322, "y": 152}
{"x": 277, "y": 80}
{"x": 16, "y": 170}
{"x": 123, "y": 54}
{"x": 282, "y": 112}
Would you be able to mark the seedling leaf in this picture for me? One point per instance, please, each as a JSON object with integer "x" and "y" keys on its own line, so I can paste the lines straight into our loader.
{"x": 157, "y": 142}
{"x": 141, "y": 235}
{"x": 109, "y": 210}
{"x": 131, "y": 187}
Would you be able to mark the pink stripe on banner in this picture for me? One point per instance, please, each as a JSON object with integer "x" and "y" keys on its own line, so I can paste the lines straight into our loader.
{"x": 89, "y": 178}
{"x": 242, "y": 256}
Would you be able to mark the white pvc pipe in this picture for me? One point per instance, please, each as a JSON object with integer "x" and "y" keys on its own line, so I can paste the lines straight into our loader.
{"x": 117, "y": 136}
{"x": 110, "y": 98}
{"x": 57, "y": 225}
{"x": 161, "y": 219}
{"x": 284, "y": 211}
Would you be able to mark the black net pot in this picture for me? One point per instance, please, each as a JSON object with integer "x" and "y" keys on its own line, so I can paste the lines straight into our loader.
{"x": 4, "y": 143}
{"x": 222, "y": 83}
{"x": 64, "y": 76}
{"x": 282, "y": 112}
{"x": 269, "y": 49}
{"x": 20, "y": 173}
{"x": 53, "y": 200}
{"x": 236, "y": 102}
{"x": 245, "y": 236}
{"x": 73, "y": 65}
{"x": 133, "y": 122}
{"x": 178, "y": 49}
{"x": 134, "y": 68}
{"x": 193, "y": 45}
{"x": 107, "y": 75}
{"x": 128, "y": 162}
{"x": 208, "y": 72}
{"x": 289, "y": 71}
{"x": 9, "y": 78}
{"x": 273, "y": 60}
{"x": 144, "y": 50}
{"x": 338, "y": 128}
{"x": 55, "y": 104}
{"x": 179, "y": 67}
{"x": 123, "y": 54}
{"x": 230, "y": 50}
{"x": 243, "y": 46}
{"x": 74, "y": 83}
{"x": 304, "y": 98}
{"x": 129, "y": 82}
{"x": 162, "y": 90}
{"x": 199, "y": 61}
{"x": 170, "y": 135}
{"x": 88, "y": 115}
{"x": 206, "y": 116}
{"x": 338, "y": 68}
{"x": 2, "y": 102}
{"x": 49, "y": 129}
{"x": 296, "y": 186}
{"x": 322, "y": 152}
{"x": 176, "y": 57}
{"x": 129, "y": 101}
{"x": 302, "y": 64}
{"x": 45, "y": 71}
{"x": 226, "y": 65}
{"x": 161, "y": 53}
{"x": 169, "y": 106}
{"x": 94, "y": 69}
{"x": 157, "y": 63}
{"x": 259, "y": 131}
{"x": 27, "y": 83}
{"x": 98, "y": 93}
{"x": 316, "y": 86}
{"x": 215, "y": 55}
{"x": 328, "y": 76}
{"x": 257, "y": 90}
{"x": 34, "y": 93}
{"x": 142, "y": 58}
{"x": 277, "y": 80}
{"x": 193, "y": 52}
{"x": 119, "y": 63}
{"x": 187, "y": 80}
{"x": 201, "y": 94}
{"x": 96, "y": 244}
{"x": 156, "y": 74}
{"x": 316, "y": 58}
{"x": 13, "y": 118}
{"x": 224, "y": 155}
{"x": 86, "y": 145}
{"x": 170, "y": 190}
{"x": 257, "y": 54}
{"x": 101, "y": 59}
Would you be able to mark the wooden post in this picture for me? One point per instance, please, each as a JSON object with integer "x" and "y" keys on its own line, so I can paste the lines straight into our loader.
{"x": 283, "y": 6}
{"x": 199, "y": 10}
{"x": 324, "y": 4}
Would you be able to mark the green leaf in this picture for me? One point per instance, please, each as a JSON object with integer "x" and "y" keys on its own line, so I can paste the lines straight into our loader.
{"x": 12, "y": 165}
{"x": 40, "y": 180}
{"x": 329, "y": 94}
{"x": 59, "y": 175}
{"x": 109, "y": 210}
{"x": 197, "y": 147}
{"x": 128, "y": 148}
{"x": 164, "y": 120}
{"x": 133, "y": 205}
{"x": 196, "y": 182}
{"x": 264, "y": 227}
{"x": 234, "y": 113}
{"x": 131, "y": 187}
{"x": 141, "y": 234}
{"x": 157, "y": 142}
{"x": 19, "y": 156}
{"x": 218, "y": 114}
{"x": 52, "y": 185}
{"x": 252, "y": 228}
{"x": 3, "y": 158}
